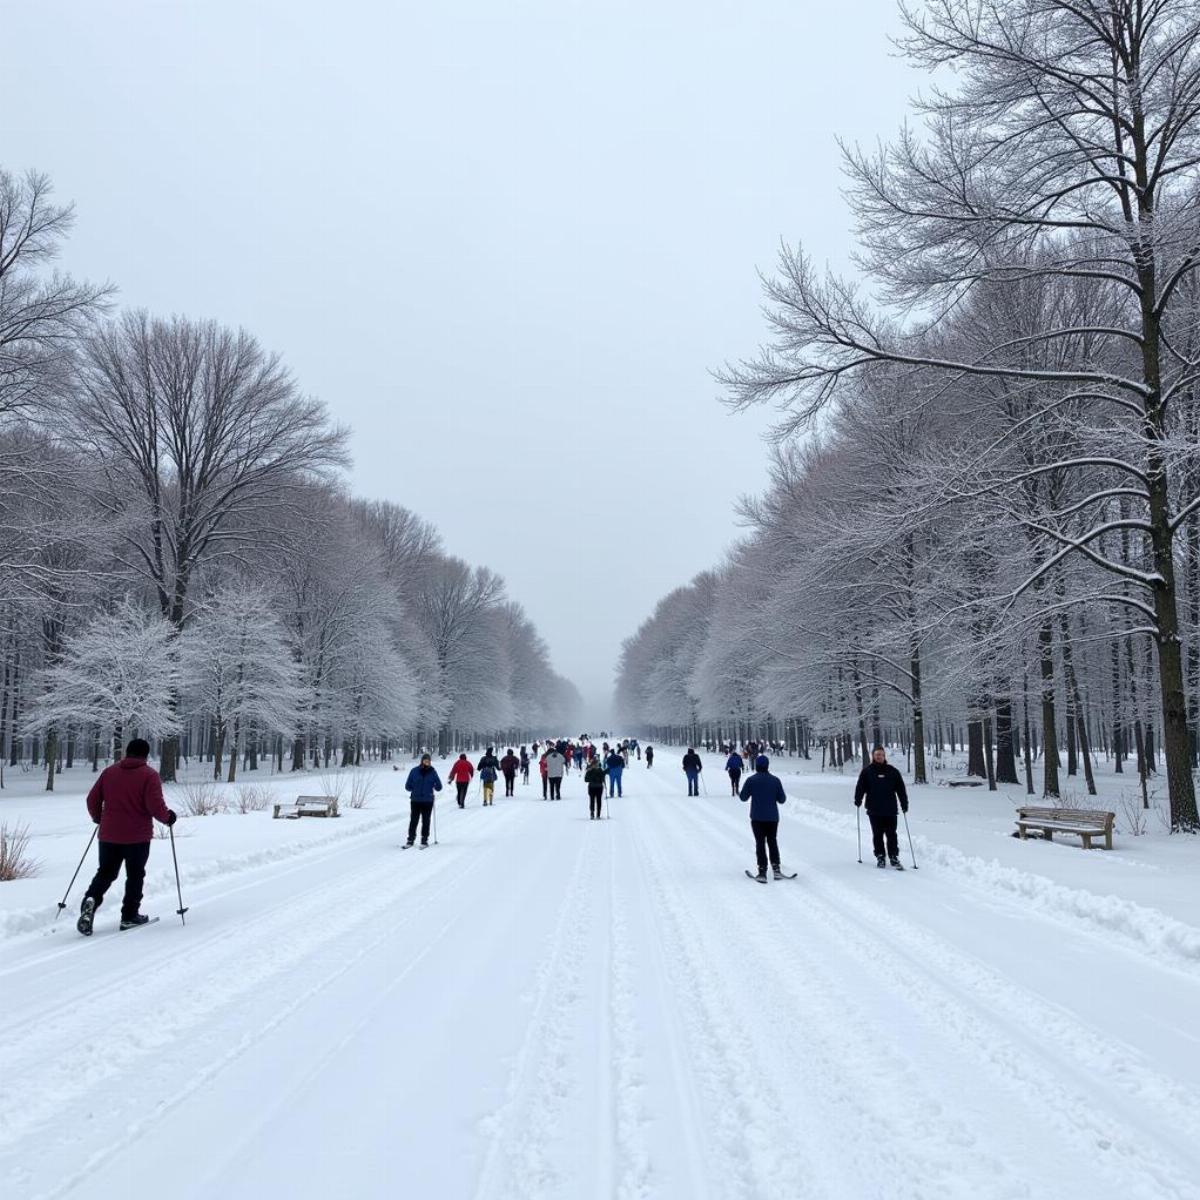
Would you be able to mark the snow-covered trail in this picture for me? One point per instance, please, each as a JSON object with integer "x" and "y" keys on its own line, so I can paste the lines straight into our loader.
{"x": 545, "y": 1006}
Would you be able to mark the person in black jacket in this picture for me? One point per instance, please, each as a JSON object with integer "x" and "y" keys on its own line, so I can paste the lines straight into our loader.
{"x": 692, "y": 766}
{"x": 882, "y": 786}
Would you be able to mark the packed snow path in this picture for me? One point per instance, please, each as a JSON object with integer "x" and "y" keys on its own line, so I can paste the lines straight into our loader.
{"x": 547, "y": 1006}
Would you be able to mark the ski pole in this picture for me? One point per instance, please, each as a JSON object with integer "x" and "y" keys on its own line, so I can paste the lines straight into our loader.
{"x": 178, "y": 891}
{"x": 63, "y": 902}
{"x": 910, "y": 845}
{"x": 703, "y": 781}
{"x": 858, "y": 821}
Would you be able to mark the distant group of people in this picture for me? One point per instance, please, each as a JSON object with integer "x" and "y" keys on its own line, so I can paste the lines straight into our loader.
{"x": 127, "y": 798}
{"x": 880, "y": 786}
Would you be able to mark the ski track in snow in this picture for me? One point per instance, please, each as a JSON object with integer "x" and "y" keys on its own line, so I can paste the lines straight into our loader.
{"x": 247, "y": 991}
{"x": 1139, "y": 928}
{"x": 520, "y": 1159}
{"x": 669, "y": 1031}
{"x": 990, "y": 1018}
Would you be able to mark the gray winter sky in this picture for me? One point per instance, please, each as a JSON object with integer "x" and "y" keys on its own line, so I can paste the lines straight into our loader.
{"x": 505, "y": 241}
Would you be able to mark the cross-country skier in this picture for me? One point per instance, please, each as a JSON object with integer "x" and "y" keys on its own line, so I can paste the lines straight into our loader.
{"x": 124, "y": 802}
{"x": 594, "y": 777}
{"x": 524, "y": 754}
{"x": 615, "y": 765}
{"x": 508, "y": 767}
{"x": 882, "y": 786}
{"x": 765, "y": 793}
{"x": 556, "y": 768}
{"x": 489, "y": 769}
{"x": 460, "y": 775}
{"x": 649, "y": 757}
{"x": 692, "y": 766}
{"x": 543, "y": 771}
{"x": 733, "y": 768}
{"x": 422, "y": 782}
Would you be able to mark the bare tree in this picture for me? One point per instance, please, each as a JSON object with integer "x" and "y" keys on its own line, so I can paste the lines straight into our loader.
{"x": 1070, "y": 150}
{"x": 41, "y": 315}
{"x": 203, "y": 434}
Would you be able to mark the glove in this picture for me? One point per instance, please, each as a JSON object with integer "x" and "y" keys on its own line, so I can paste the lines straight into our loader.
{"x": 904, "y": 806}
{"x": 171, "y": 817}
{"x": 858, "y": 804}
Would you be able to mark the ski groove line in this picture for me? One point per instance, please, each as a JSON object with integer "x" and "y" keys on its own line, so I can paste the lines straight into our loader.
{"x": 628, "y": 1067}
{"x": 215, "y": 1067}
{"x": 1173, "y": 945}
{"x": 682, "y": 1065}
{"x": 538, "y": 1082}
{"x": 838, "y": 1056}
{"x": 998, "y": 1041}
{"x": 742, "y": 1100}
{"x": 320, "y": 911}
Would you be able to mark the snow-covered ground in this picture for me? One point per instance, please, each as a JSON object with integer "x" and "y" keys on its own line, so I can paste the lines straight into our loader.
{"x": 544, "y": 1006}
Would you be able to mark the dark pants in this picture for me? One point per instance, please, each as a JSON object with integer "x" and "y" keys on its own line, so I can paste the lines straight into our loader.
{"x": 735, "y": 777}
{"x": 595, "y": 799}
{"x": 693, "y": 778}
{"x": 420, "y": 810}
{"x": 509, "y": 780}
{"x": 545, "y": 785}
{"x": 881, "y": 826}
{"x": 461, "y": 788}
{"x": 525, "y": 773}
{"x": 555, "y": 788}
{"x": 764, "y": 842}
{"x": 112, "y": 855}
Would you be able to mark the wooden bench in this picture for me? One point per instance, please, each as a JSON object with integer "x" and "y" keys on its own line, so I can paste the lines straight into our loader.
{"x": 1085, "y": 823}
{"x": 307, "y": 806}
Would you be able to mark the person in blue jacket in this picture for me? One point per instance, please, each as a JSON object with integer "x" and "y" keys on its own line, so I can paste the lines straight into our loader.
{"x": 734, "y": 768}
{"x": 614, "y": 764}
{"x": 765, "y": 793}
{"x": 422, "y": 782}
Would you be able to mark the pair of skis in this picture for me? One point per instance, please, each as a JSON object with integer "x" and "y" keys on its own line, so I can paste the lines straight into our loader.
{"x": 763, "y": 878}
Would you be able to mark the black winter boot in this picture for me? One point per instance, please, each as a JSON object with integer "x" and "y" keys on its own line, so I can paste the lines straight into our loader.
{"x": 87, "y": 914}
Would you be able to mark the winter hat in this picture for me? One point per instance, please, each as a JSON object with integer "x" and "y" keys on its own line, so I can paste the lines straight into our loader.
{"x": 762, "y": 762}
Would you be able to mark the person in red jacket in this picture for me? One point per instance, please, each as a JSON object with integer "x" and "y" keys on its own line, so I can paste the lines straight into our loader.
{"x": 460, "y": 775}
{"x": 124, "y": 802}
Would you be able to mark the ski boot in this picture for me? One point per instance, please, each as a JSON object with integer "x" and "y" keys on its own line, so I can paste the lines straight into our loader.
{"x": 897, "y": 864}
{"x": 87, "y": 914}
{"x": 880, "y": 861}
{"x": 134, "y": 921}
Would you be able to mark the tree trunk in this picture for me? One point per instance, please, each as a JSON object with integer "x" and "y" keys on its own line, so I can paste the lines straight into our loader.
{"x": 1050, "y": 785}
{"x": 918, "y": 714}
{"x": 1006, "y": 763}
{"x": 51, "y": 757}
{"x": 975, "y": 764}
{"x": 1027, "y": 739}
{"x": 987, "y": 754}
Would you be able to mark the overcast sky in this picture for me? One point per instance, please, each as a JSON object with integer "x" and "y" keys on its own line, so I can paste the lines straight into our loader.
{"x": 505, "y": 241}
